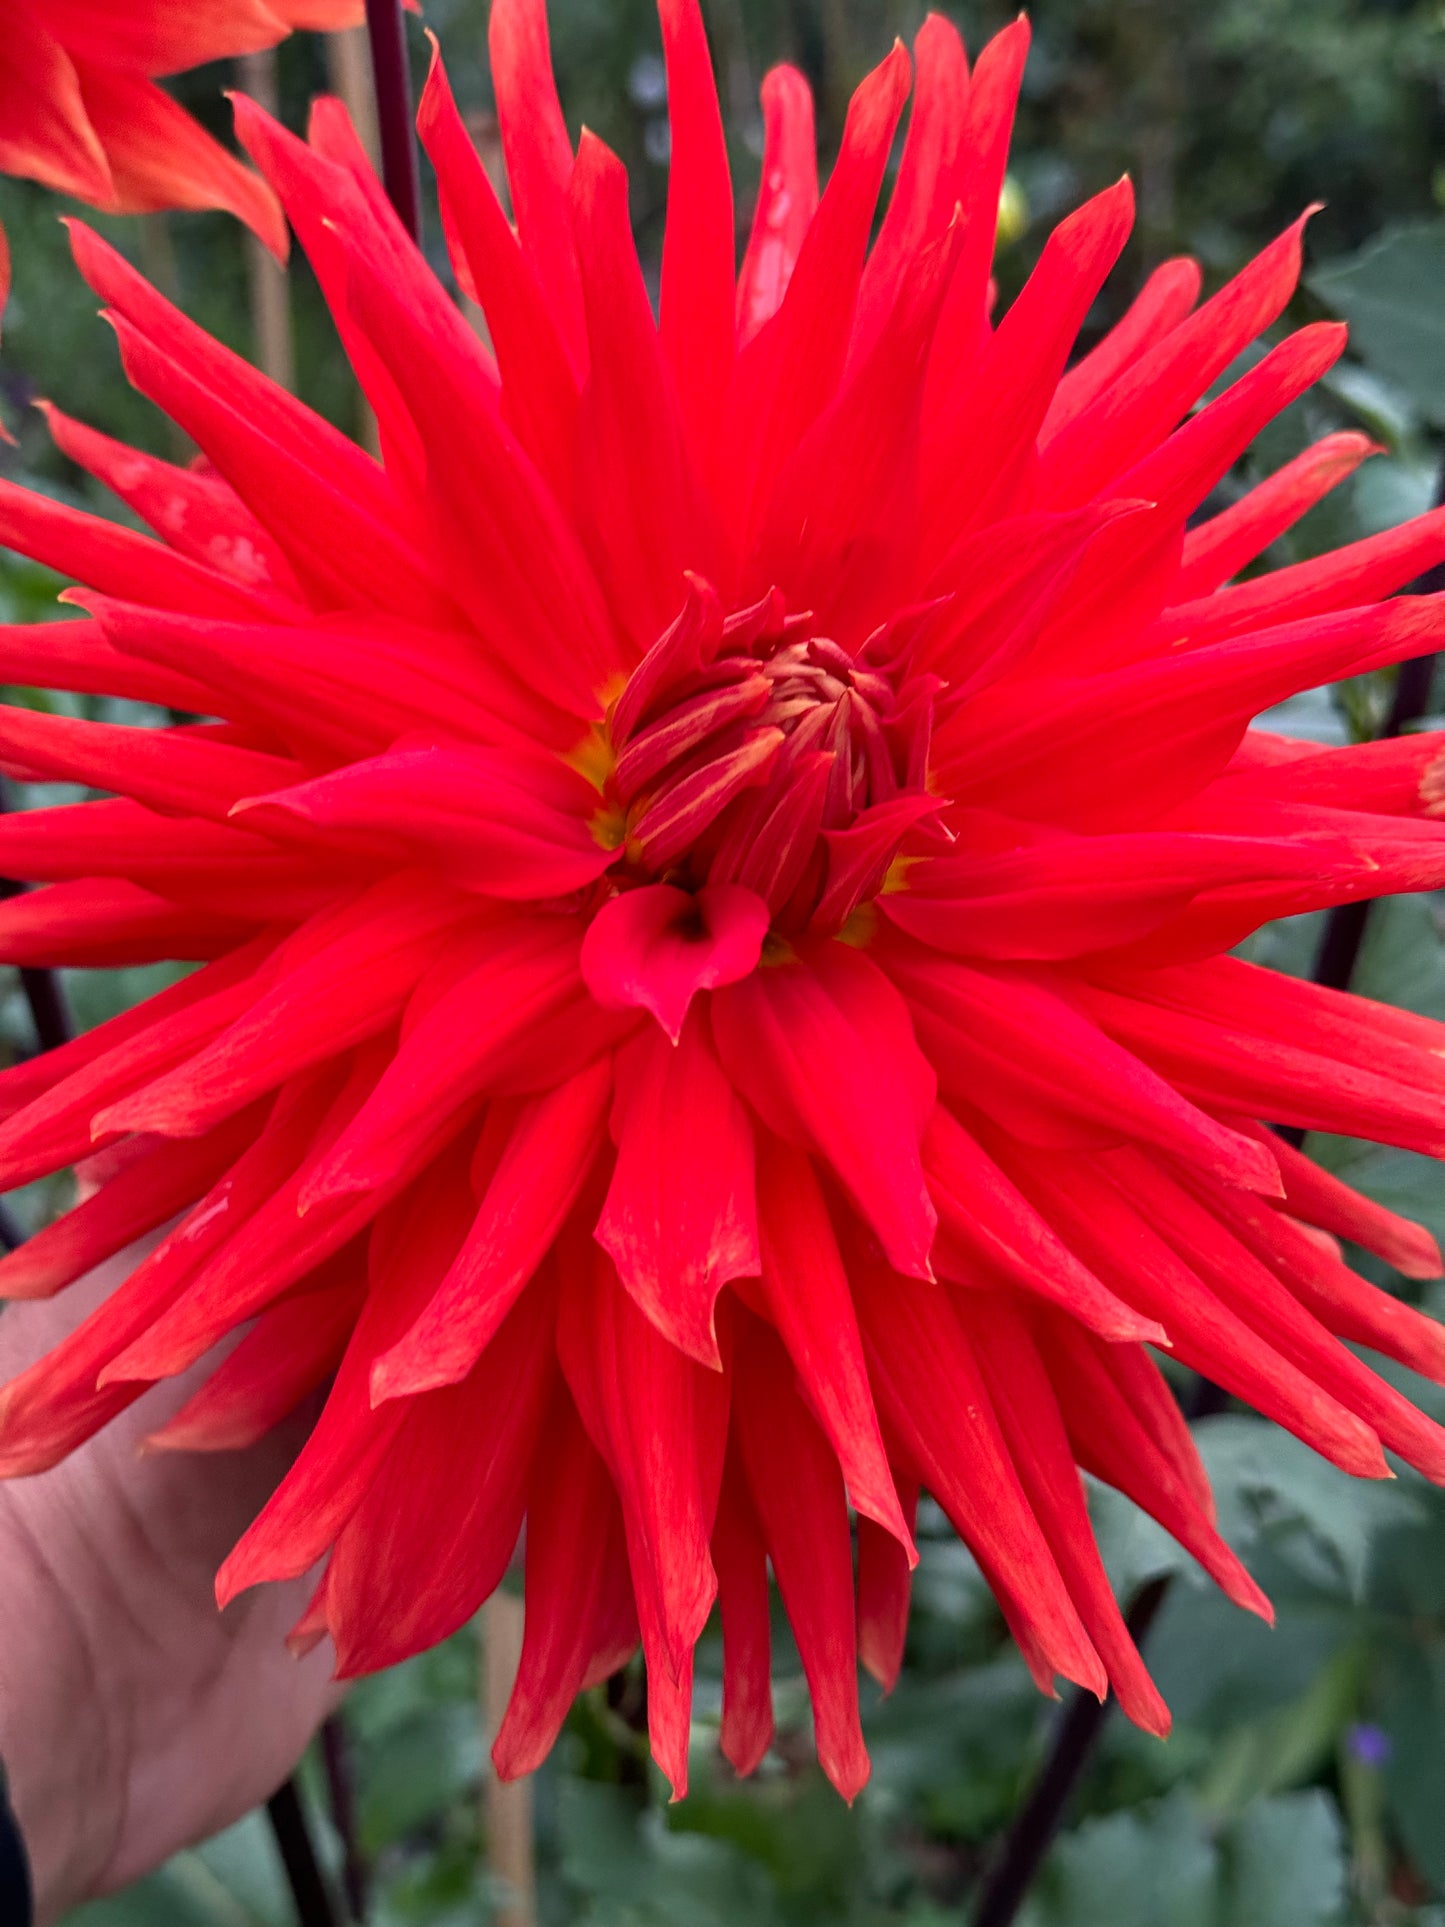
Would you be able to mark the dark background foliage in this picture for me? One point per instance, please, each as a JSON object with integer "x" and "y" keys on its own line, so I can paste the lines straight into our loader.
{"x": 1305, "y": 1782}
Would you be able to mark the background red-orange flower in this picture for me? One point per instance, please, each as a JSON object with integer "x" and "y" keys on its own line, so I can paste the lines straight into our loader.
{"x": 80, "y": 110}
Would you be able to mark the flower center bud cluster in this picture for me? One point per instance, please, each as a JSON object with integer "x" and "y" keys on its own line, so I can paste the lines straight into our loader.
{"x": 750, "y": 750}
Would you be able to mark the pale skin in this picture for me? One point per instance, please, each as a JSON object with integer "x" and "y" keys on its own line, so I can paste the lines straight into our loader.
{"x": 134, "y": 1718}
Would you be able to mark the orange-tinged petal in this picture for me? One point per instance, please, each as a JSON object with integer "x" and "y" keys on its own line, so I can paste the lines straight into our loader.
{"x": 159, "y": 157}
{"x": 45, "y": 134}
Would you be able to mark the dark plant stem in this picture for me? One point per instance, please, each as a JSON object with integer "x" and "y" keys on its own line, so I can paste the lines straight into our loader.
{"x": 627, "y": 1698}
{"x": 298, "y": 1856}
{"x": 1021, "y": 1853}
{"x": 49, "y": 1011}
{"x": 1032, "y": 1830}
{"x": 341, "y": 1786}
{"x": 392, "y": 74}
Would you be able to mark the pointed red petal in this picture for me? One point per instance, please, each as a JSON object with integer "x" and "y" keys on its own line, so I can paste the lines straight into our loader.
{"x": 548, "y": 1158}
{"x": 1095, "y": 1388}
{"x": 923, "y": 198}
{"x": 1161, "y": 304}
{"x": 984, "y": 1219}
{"x": 410, "y": 1251}
{"x": 509, "y": 823}
{"x": 1217, "y": 549}
{"x": 884, "y": 1582}
{"x": 983, "y": 156}
{"x": 824, "y": 1051}
{"x": 46, "y": 136}
{"x": 159, "y": 157}
{"x": 787, "y": 373}
{"x": 680, "y": 1218}
{"x": 539, "y": 386}
{"x": 574, "y": 1552}
{"x": 538, "y": 154}
{"x": 640, "y": 502}
{"x": 197, "y": 514}
{"x": 808, "y": 1297}
{"x": 1158, "y": 387}
{"x": 696, "y": 310}
{"x": 934, "y": 1401}
{"x": 293, "y": 1347}
{"x": 149, "y": 1189}
{"x": 1029, "y": 1416}
{"x": 659, "y": 1420}
{"x": 424, "y": 1548}
{"x": 804, "y": 1520}
{"x": 740, "y": 1555}
{"x": 787, "y": 200}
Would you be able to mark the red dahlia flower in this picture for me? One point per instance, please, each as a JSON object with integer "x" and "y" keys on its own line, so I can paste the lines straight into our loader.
{"x": 80, "y": 111}
{"x": 713, "y": 868}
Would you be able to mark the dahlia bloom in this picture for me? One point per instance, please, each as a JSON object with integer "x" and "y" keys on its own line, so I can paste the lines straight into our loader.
{"x": 713, "y": 869}
{"x": 80, "y": 111}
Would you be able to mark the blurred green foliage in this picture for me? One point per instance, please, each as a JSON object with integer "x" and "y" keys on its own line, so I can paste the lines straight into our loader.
{"x": 1304, "y": 1785}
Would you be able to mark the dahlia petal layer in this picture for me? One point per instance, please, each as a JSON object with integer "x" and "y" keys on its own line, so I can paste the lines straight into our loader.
{"x": 713, "y": 866}
{"x": 81, "y": 113}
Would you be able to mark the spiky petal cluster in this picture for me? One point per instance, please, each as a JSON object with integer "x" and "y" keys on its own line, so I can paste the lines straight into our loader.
{"x": 80, "y": 110}
{"x": 713, "y": 867}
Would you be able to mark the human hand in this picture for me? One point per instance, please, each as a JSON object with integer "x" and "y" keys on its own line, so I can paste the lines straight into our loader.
{"x": 135, "y": 1718}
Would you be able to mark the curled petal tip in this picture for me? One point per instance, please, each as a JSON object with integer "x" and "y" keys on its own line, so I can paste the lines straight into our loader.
{"x": 657, "y": 947}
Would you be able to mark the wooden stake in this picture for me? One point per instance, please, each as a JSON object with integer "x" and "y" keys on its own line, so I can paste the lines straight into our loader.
{"x": 348, "y": 68}
{"x": 274, "y": 344}
{"x": 506, "y": 1804}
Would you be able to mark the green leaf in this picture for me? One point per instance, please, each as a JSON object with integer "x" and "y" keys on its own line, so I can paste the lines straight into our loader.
{"x": 1280, "y": 1865}
{"x": 1273, "y": 1489}
{"x": 417, "y": 1741}
{"x": 1221, "y": 1670}
{"x": 955, "y": 1748}
{"x": 1132, "y": 1869}
{"x": 628, "y": 1869}
{"x": 1285, "y": 1864}
{"x": 1402, "y": 959}
{"x": 1392, "y": 293}
{"x": 1288, "y": 1746}
{"x": 795, "y": 1828}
